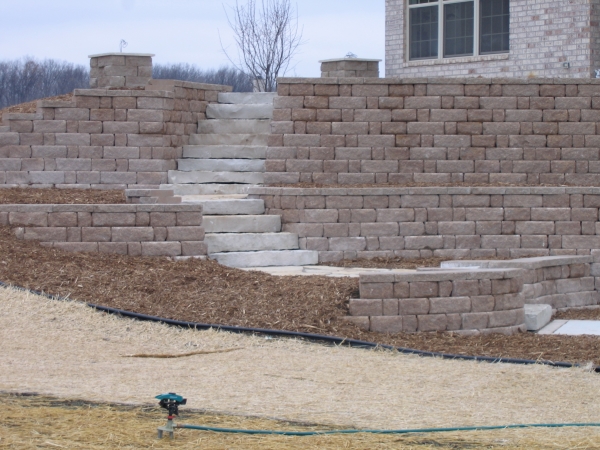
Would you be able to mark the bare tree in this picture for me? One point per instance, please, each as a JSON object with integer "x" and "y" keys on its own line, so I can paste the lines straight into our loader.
{"x": 28, "y": 79}
{"x": 267, "y": 36}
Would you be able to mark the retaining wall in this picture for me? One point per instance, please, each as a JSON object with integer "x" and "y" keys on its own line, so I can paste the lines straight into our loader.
{"x": 484, "y": 298}
{"x": 103, "y": 138}
{"x": 350, "y": 223}
{"x": 436, "y": 130}
{"x": 137, "y": 230}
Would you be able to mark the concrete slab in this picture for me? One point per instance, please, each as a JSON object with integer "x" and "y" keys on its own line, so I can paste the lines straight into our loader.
{"x": 247, "y": 98}
{"x": 267, "y": 258}
{"x": 207, "y": 189}
{"x": 252, "y": 138}
{"x": 229, "y": 206}
{"x": 552, "y": 327}
{"x": 239, "y": 111}
{"x": 579, "y": 328}
{"x": 221, "y": 165}
{"x": 196, "y": 176}
{"x": 537, "y": 316}
{"x": 250, "y": 242}
{"x": 224, "y": 126}
{"x": 323, "y": 271}
{"x": 241, "y": 224}
{"x": 225, "y": 151}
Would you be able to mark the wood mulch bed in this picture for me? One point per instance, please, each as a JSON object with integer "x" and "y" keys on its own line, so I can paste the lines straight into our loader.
{"x": 31, "y": 107}
{"x": 21, "y": 196}
{"x": 206, "y": 292}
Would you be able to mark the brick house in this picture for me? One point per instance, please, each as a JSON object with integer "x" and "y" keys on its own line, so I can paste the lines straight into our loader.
{"x": 492, "y": 38}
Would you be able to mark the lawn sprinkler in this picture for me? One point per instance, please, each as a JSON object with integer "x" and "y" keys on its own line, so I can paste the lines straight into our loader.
{"x": 170, "y": 402}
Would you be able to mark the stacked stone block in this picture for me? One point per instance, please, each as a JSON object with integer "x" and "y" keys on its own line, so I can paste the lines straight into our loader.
{"x": 136, "y": 230}
{"x": 118, "y": 70}
{"x": 461, "y": 300}
{"x": 448, "y": 222}
{"x": 376, "y": 131}
{"x": 103, "y": 138}
{"x": 350, "y": 67}
{"x": 562, "y": 282}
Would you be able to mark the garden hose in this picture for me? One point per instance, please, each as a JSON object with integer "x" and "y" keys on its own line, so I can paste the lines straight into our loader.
{"x": 415, "y": 431}
{"x": 306, "y": 336}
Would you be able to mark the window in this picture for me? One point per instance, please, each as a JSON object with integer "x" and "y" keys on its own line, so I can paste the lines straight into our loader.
{"x": 467, "y": 28}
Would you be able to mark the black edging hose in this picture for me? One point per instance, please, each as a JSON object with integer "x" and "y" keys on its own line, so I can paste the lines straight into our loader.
{"x": 307, "y": 336}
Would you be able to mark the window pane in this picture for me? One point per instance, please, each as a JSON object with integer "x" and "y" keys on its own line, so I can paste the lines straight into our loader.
{"x": 424, "y": 32}
{"x": 495, "y": 24}
{"x": 459, "y": 29}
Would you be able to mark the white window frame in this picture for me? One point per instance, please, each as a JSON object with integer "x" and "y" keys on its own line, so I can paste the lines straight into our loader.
{"x": 440, "y": 4}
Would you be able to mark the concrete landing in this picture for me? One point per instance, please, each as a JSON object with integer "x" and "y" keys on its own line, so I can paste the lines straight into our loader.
{"x": 323, "y": 271}
{"x": 572, "y": 328}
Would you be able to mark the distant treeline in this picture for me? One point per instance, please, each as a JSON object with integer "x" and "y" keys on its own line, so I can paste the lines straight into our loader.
{"x": 27, "y": 79}
{"x": 228, "y": 76}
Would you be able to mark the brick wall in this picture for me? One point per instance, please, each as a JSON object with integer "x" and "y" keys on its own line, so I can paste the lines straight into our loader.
{"x": 471, "y": 297}
{"x": 364, "y": 131}
{"x": 106, "y": 139}
{"x": 544, "y": 34}
{"x": 137, "y": 230}
{"x": 351, "y": 223}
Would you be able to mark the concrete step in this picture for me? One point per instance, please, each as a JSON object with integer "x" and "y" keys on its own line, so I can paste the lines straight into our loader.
{"x": 241, "y": 224}
{"x": 230, "y": 207}
{"x": 215, "y": 111}
{"x": 207, "y": 189}
{"x": 250, "y": 242}
{"x": 225, "y": 151}
{"x": 229, "y": 139}
{"x": 267, "y": 258}
{"x": 225, "y": 126}
{"x": 222, "y": 165}
{"x": 248, "y": 98}
{"x": 179, "y": 177}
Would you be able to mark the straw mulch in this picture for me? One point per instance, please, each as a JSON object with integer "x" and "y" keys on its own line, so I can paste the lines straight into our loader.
{"x": 60, "y": 196}
{"x": 41, "y": 422}
{"x": 579, "y": 314}
{"x": 204, "y": 291}
{"x": 66, "y": 350}
{"x": 31, "y": 107}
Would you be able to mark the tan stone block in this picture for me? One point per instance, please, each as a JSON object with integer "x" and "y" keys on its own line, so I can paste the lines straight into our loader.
{"x": 376, "y": 290}
{"x": 424, "y": 289}
{"x": 366, "y": 307}
{"x": 161, "y": 249}
{"x": 28, "y": 219}
{"x": 96, "y": 234}
{"x": 387, "y": 324}
{"x": 413, "y": 306}
{"x": 62, "y": 219}
{"x": 475, "y": 321}
{"x": 434, "y": 322}
{"x": 450, "y": 305}
{"x": 45, "y": 234}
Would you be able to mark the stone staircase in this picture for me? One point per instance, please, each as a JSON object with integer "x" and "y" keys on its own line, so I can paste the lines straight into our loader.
{"x": 225, "y": 158}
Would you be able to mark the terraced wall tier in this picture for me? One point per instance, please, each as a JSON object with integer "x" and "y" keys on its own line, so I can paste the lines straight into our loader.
{"x": 486, "y": 222}
{"x": 344, "y": 131}
{"x": 484, "y": 298}
{"x": 104, "y": 138}
{"x": 136, "y": 230}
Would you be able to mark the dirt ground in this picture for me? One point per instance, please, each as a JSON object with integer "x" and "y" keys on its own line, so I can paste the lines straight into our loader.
{"x": 68, "y": 351}
{"x": 34, "y": 422}
{"x": 21, "y": 196}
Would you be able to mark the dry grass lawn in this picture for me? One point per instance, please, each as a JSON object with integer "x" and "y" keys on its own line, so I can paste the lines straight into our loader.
{"x": 66, "y": 350}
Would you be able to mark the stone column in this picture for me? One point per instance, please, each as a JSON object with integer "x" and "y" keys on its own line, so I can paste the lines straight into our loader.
{"x": 350, "y": 67}
{"x": 120, "y": 70}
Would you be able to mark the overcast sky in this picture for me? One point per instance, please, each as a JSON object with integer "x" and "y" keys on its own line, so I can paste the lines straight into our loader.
{"x": 179, "y": 30}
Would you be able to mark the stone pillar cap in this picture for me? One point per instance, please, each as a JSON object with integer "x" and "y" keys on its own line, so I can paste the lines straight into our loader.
{"x": 350, "y": 59}
{"x": 121, "y": 54}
